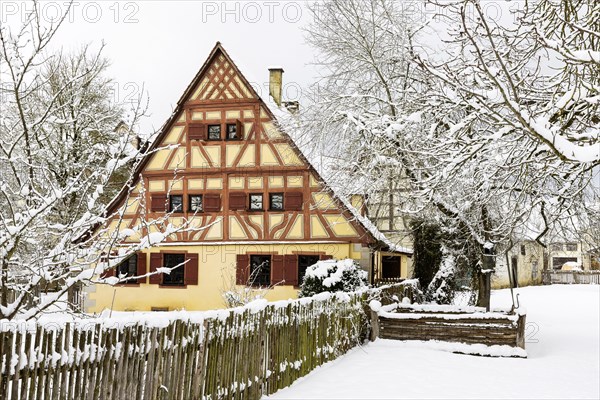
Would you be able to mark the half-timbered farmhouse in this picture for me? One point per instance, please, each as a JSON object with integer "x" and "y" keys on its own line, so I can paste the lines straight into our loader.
{"x": 257, "y": 213}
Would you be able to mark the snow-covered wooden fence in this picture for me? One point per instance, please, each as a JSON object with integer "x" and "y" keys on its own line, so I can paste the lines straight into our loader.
{"x": 242, "y": 353}
{"x": 571, "y": 277}
{"x": 468, "y": 325}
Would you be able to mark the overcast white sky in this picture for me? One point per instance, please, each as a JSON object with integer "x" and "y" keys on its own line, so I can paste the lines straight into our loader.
{"x": 162, "y": 44}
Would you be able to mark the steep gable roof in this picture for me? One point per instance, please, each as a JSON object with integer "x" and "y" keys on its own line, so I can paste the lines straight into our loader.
{"x": 200, "y": 90}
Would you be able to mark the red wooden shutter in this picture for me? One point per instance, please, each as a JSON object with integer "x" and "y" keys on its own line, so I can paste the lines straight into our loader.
{"x": 212, "y": 202}
{"x": 197, "y": 131}
{"x": 293, "y": 201}
{"x": 290, "y": 266}
{"x": 242, "y": 269}
{"x": 237, "y": 201}
{"x": 141, "y": 266}
{"x": 325, "y": 257}
{"x": 277, "y": 270}
{"x": 239, "y": 133}
{"x": 191, "y": 269}
{"x": 155, "y": 262}
{"x": 158, "y": 203}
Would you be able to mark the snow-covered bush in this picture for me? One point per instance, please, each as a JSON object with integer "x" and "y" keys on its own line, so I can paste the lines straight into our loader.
{"x": 333, "y": 276}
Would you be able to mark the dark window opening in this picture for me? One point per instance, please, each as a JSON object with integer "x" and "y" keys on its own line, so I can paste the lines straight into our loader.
{"x": 260, "y": 271}
{"x": 557, "y": 247}
{"x": 176, "y": 203}
{"x": 196, "y": 202}
{"x": 303, "y": 263}
{"x": 214, "y": 132}
{"x": 522, "y": 249}
{"x": 232, "y": 133}
{"x": 256, "y": 202}
{"x": 176, "y": 277}
{"x": 571, "y": 247}
{"x": 276, "y": 201}
{"x": 128, "y": 268}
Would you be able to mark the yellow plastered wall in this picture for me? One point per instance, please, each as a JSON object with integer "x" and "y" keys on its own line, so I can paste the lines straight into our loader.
{"x": 216, "y": 274}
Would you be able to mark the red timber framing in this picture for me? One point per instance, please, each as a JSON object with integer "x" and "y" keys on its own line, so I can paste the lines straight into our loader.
{"x": 220, "y": 90}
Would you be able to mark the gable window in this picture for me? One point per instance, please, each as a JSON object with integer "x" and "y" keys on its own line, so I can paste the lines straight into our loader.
{"x": 232, "y": 133}
{"x": 557, "y": 247}
{"x": 256, "y": 202}
{"x": 303, "y": 263}
{"x": 176, "y": 277}
{"x": 127, "y": 268}
{"x": 276, "y": 201}
{"x": 214, "y": 132}
{"x": 176, "y": 203}
{"x": 196, "y": 202}
{"x": 571, "y": 246}
{"x": 260, "y": 270}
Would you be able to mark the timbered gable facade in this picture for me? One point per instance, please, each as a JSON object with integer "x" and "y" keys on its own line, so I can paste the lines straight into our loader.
{"x": 256, "y": 213}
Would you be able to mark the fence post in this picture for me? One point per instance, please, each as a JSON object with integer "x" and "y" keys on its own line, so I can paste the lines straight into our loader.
{"x": 374, "y": 306}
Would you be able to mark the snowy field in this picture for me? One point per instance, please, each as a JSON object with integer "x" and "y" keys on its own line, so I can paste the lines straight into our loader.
{"x": 563, "y": 359}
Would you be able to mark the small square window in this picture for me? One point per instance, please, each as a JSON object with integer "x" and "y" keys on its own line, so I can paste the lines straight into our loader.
{"x": 214, "y": 132}
{"x": 256, "y": 201}
{"x": 276, "y": 201}
{"x": 571, "y": 247}
{"x": 176, "y": 277}
{"x": 196, "y": 202}
{"x": 176, "y": 203}
{"x": 232, "y": 133}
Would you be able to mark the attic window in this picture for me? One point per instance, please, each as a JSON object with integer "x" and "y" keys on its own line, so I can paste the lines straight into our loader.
{"x": 214, "y": 132}
{"x": 276, "y": 201}
{"x": 234, "y": 131}
{"x": 256, "y": 202}
{"x": 176, "y": 203}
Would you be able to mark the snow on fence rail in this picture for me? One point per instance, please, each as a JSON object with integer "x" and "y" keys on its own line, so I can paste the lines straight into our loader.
{"x": 571, "y": 277}
{"x": 240, "y": 353}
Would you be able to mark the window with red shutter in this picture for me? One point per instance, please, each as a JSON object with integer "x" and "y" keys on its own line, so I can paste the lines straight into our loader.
{"x": 277, "y": 270}
{"x": 191, "y": 269}
{"x": 293, "y": 201}
{"x": 158, "y": 203}
{"x": 237, "y": 201}
{"x": 290, "y": 266}
{"x": 141, "y": 267}
{"x": 155, "y": 263}
{"x": 242, "y": 269}
{"x": 212, "y": 202}
{"x": 197, "y": 131}
{"x": 239, "y": 129}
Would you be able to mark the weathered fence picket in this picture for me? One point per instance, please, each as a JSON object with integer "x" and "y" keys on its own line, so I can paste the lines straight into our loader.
{"x": 238, "y": 354}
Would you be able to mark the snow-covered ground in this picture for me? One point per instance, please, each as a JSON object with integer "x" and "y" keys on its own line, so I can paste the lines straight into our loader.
{"x": 563, "y": 335}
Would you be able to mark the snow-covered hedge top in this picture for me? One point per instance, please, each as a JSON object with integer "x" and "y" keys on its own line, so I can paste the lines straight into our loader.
{"x": 323, "y": 269}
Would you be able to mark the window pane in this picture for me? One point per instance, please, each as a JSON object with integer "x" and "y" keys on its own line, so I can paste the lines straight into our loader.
{"x": 231, "y": 131}
{"x": 214, "y": 132}
{"x": 260, "y": 270}
{"x": 176, "y": 203}
{"x": 196, "y": 203}
{"x": 256, "y": 202}
{"x": 177, "y": 275}
{"x": 277, "y": 201}
{"x": 128, "y": 267}
{"x": 303, "y": 263}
